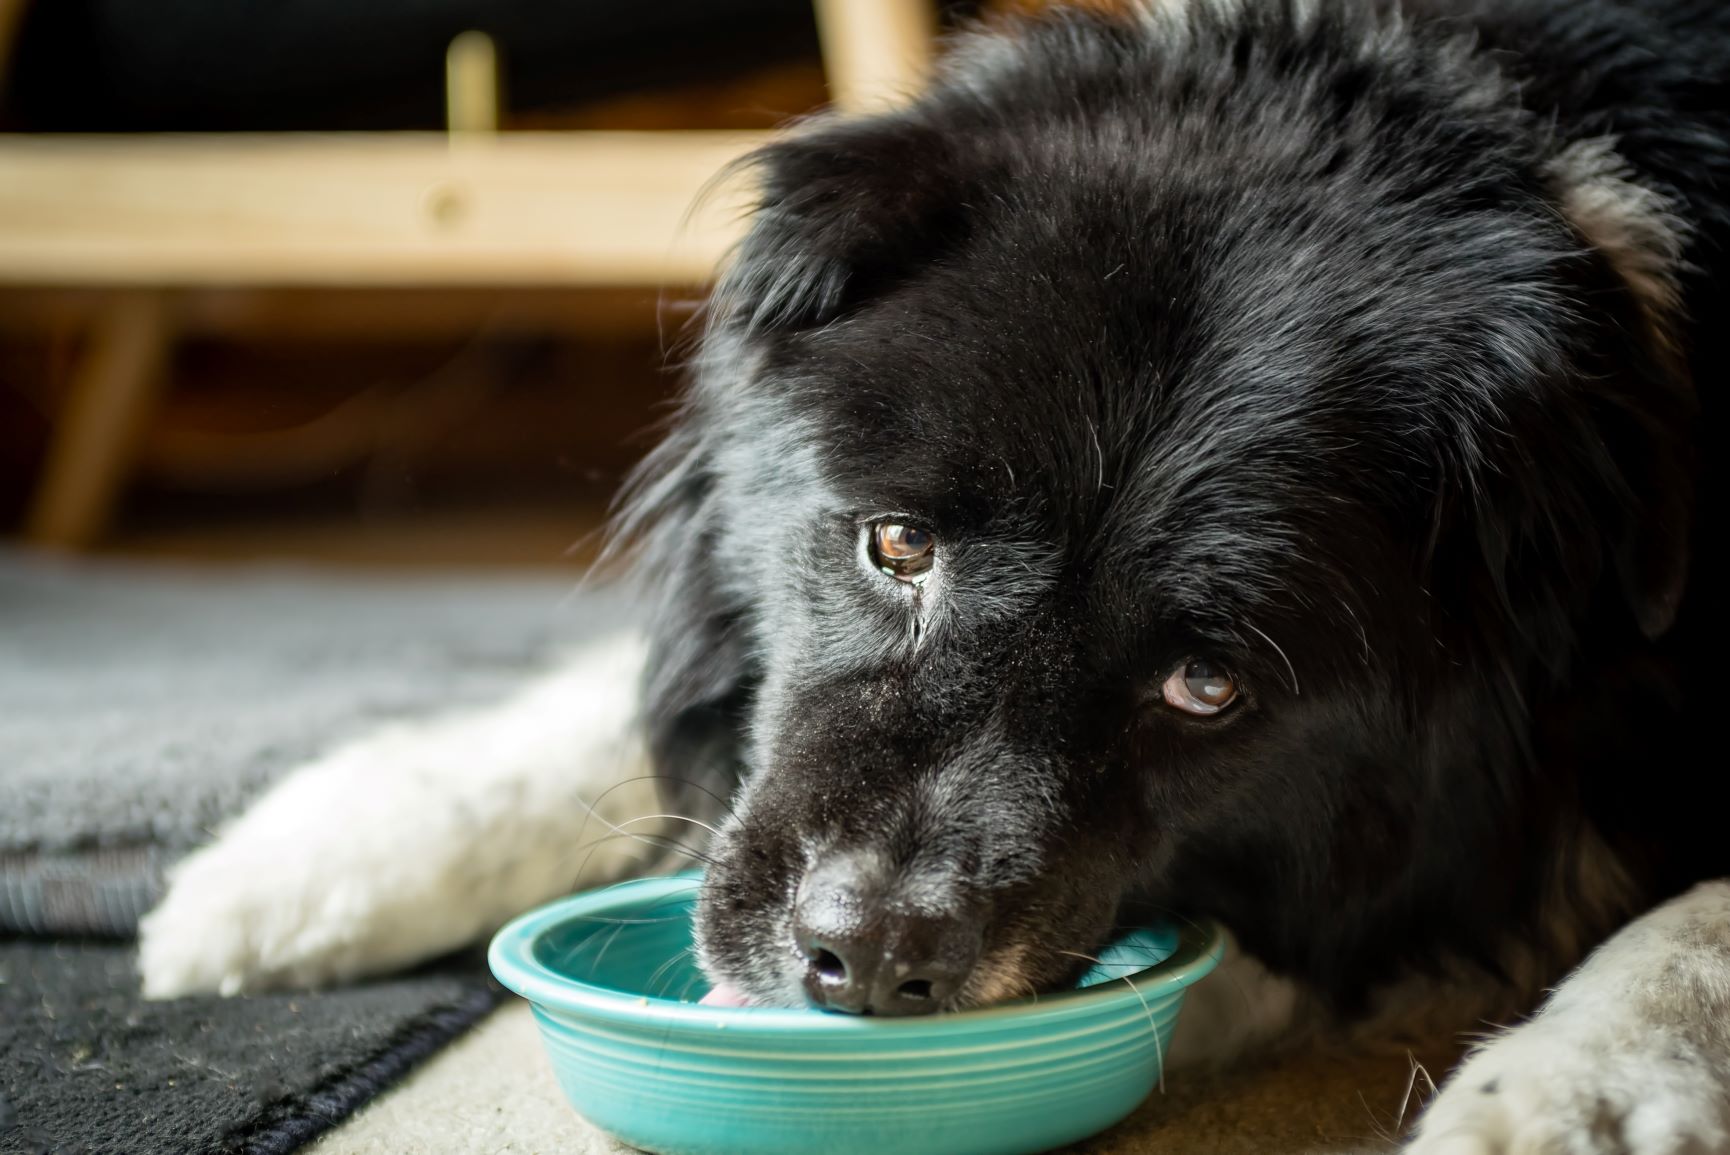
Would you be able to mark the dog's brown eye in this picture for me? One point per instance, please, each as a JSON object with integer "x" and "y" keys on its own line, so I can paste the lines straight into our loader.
{"x": 1199, "y": 686}
{"x": 902, "y": 551}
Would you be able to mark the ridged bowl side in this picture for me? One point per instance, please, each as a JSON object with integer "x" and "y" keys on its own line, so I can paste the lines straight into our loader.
{"x": 681, "y": 1079}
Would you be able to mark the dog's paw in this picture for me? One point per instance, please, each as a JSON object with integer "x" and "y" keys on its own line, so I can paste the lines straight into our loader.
{"x": 242, "y": 916}
{"x": 363, "y": 861}
{"x": 1630, "y": 1055}
{"x": 1606, "y": 1088}
{"x": 414, "y": 842}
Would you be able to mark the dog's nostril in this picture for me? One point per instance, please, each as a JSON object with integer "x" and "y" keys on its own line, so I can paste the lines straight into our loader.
{"x": 829, "y": 966}
{"x": 915, "y": 989}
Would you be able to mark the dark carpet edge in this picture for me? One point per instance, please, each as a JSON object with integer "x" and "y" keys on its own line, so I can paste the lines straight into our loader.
{"x": 294, "y": 1122}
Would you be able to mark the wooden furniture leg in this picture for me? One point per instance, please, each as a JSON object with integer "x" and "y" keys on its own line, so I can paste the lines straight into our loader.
{"x": 875, "y": 52}
{"x": 112, "y": 392}
{"x": 11, "y": 18}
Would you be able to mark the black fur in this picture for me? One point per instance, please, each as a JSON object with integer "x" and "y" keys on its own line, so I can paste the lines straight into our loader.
{"x": 1258, "y": 336}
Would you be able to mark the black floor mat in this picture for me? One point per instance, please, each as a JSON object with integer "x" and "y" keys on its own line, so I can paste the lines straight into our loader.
{"x": 88, "y": 1067}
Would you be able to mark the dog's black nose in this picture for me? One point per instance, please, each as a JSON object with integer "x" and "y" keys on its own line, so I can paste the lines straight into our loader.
{"x": 865, "y": 955}
{"x": 894, "y": 966}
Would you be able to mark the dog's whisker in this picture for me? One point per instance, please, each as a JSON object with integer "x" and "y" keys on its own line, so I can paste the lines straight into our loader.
{"x": 588, "y": 850}
{"x": 1290, "y": 669}
{"x": 611, "y": 919}
{"x": 667, "y": 842}
{"x": 592, "y": 810}
{"x": 1152, "y": 1025}
{"x": 1083, "y": 957}
{"x": 673, "y": 818}
{"x": 713, "y": 796}
{"x": 661, "y": 971}
{"x": 608, "y": 945}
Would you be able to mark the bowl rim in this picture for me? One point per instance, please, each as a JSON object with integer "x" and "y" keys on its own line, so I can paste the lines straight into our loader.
{"x": 511, "y": 955}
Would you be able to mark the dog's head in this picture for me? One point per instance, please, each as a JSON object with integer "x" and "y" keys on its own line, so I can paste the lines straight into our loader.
{"x": 1161, "y": 465}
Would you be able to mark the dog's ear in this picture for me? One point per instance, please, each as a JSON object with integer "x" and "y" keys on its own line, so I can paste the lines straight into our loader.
{"x": 699, "y": 675}
{"x": 1650, "y": 397}
{"x": 845, "y": 209}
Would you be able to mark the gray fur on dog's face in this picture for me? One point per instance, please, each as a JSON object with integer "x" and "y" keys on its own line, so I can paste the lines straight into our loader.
{"x": 1270, "y": 346}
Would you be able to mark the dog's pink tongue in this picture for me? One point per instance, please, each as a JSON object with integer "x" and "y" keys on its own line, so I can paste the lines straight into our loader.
{"x": 725, "y": 996}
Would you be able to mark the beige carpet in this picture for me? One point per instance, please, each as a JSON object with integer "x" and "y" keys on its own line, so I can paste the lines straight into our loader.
{"x": 492, "y": 1092}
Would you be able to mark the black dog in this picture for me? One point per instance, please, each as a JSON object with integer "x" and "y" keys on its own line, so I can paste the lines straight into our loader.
{"x": 1235, "y": 459}
{"x": 1239, "y": 458}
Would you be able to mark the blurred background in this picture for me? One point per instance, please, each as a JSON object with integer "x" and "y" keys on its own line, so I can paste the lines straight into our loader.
{"x": 396, "y": 281}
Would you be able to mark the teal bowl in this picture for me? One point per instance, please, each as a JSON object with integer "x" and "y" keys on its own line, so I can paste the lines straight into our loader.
{"x": 614, "y": 986}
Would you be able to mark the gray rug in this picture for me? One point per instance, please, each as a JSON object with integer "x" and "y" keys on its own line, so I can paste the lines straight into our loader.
{"x": 142, "y": 706}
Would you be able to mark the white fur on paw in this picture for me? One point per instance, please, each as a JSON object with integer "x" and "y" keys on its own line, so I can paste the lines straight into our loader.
{"x": 1630, "y": 1056}
{"x": 414, "y": 841}
{"x": 1546, "y": 1090}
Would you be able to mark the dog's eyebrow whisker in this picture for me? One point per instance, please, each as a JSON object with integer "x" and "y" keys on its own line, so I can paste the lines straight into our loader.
{"x": 1290, "y": 669}
{"x": 1098, "y": 454}
{"x": 1363, "y": 635}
